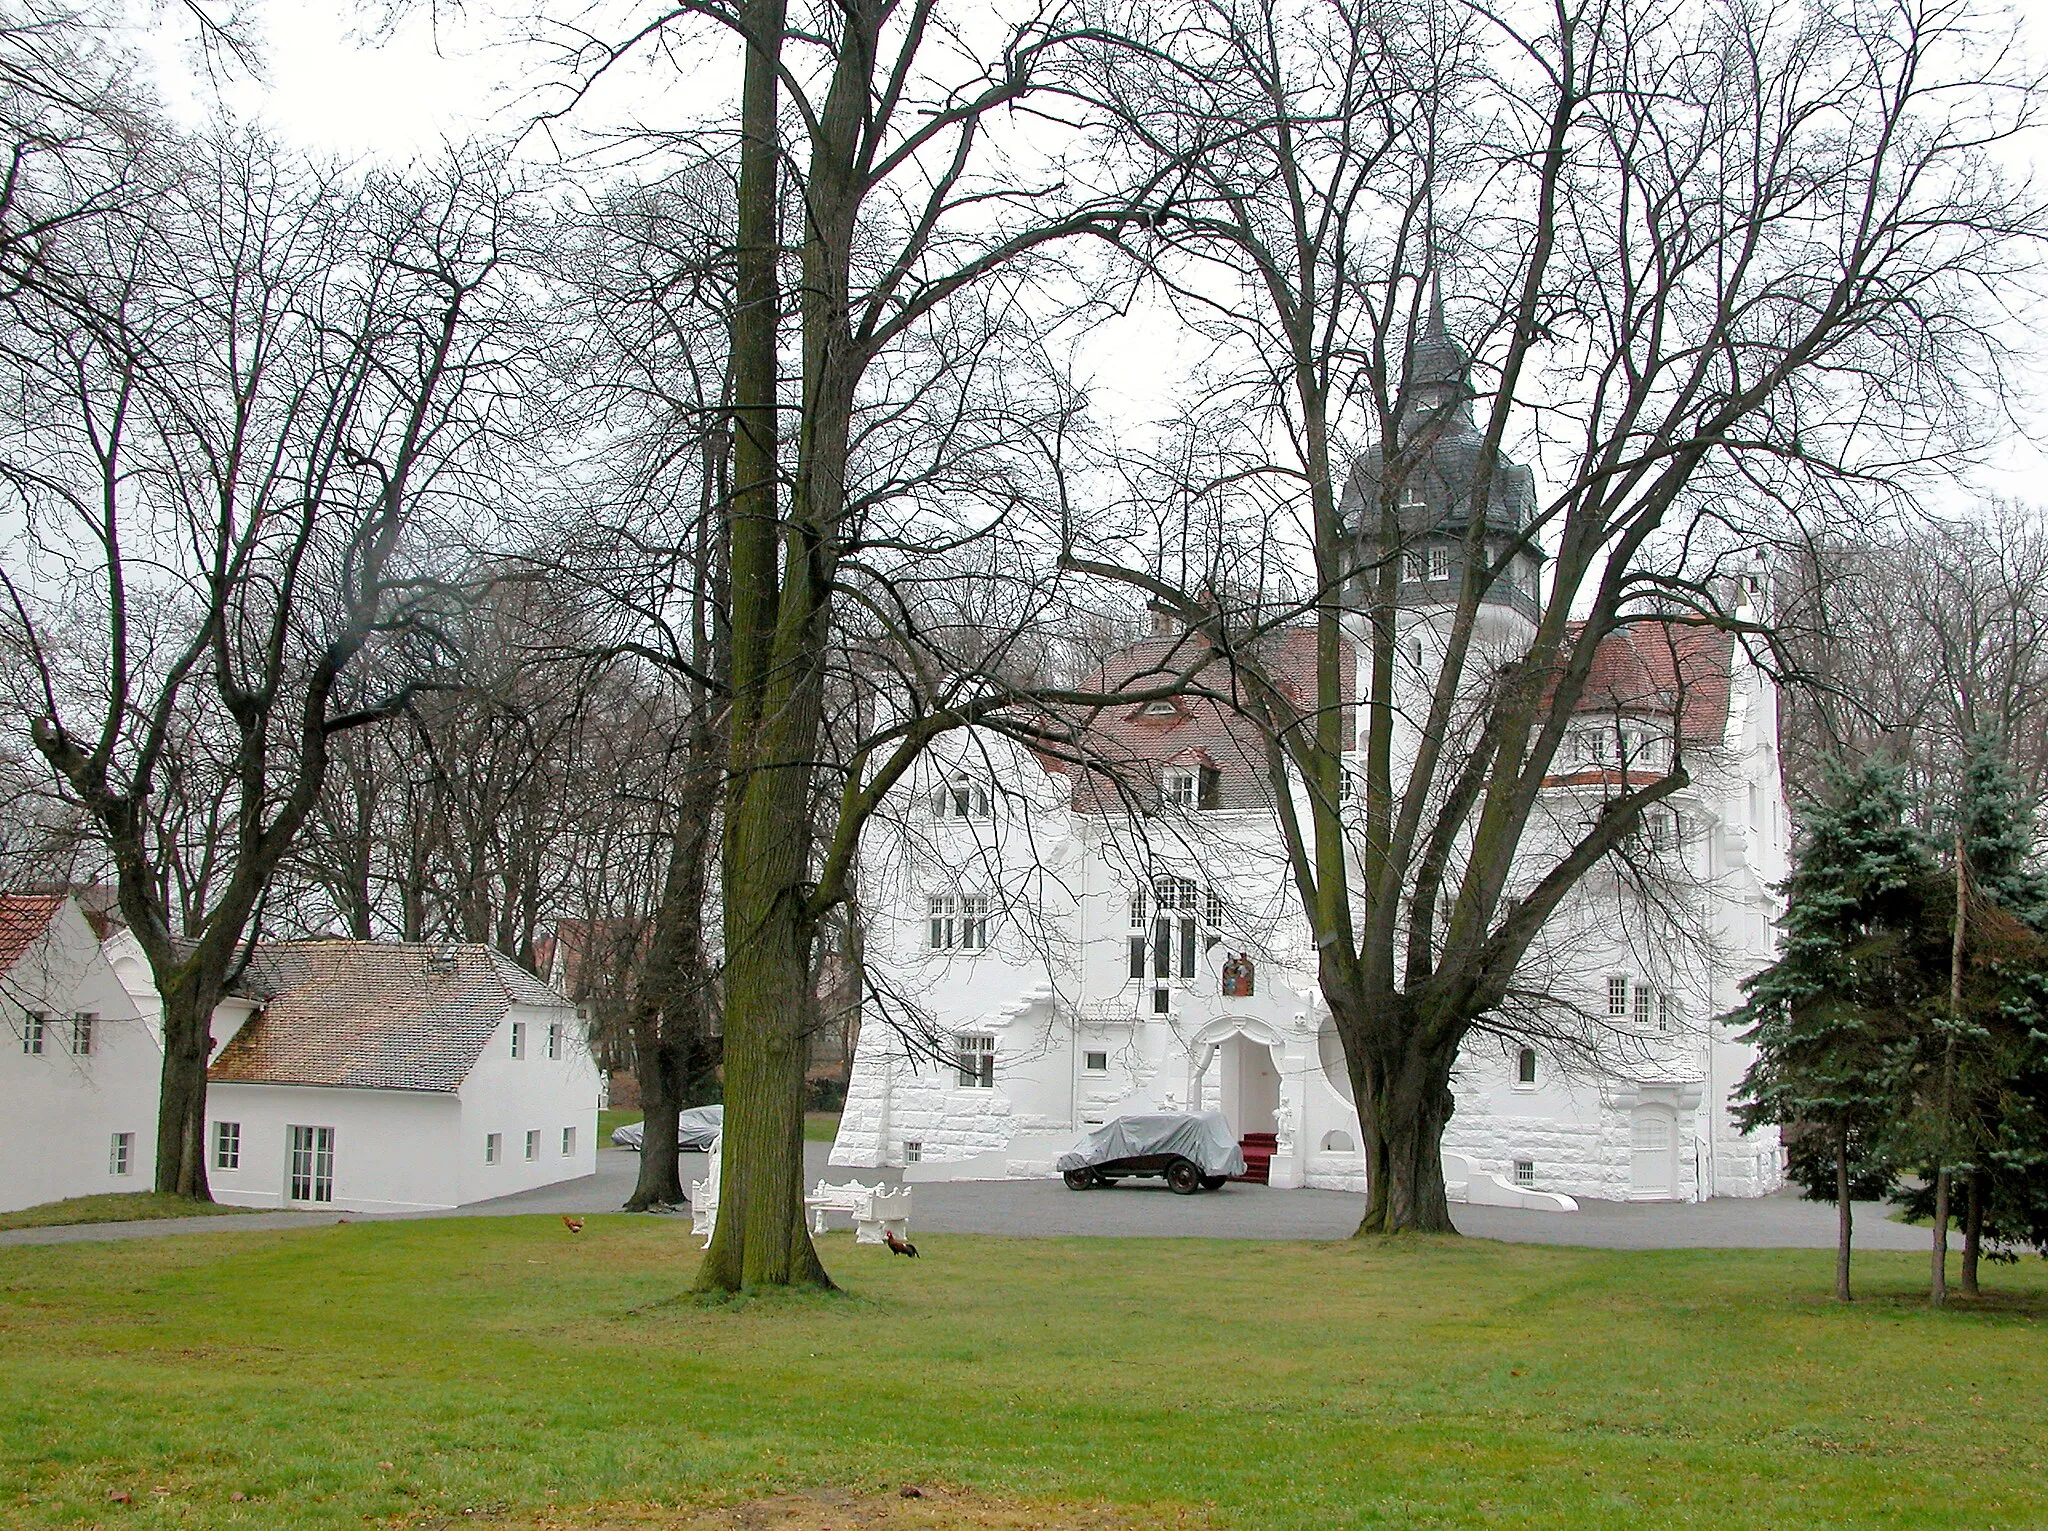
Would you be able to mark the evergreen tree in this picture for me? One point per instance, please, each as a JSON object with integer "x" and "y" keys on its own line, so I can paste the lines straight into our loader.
{"x": 1833, "y": 1017}
{"x": 1981, "y": 1107}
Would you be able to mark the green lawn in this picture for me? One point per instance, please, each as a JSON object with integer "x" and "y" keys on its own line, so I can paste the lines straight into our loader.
{"x": 607, "y": 1121}
{"x": 503, "y": 1372}
{"x": 114, "y": 1207}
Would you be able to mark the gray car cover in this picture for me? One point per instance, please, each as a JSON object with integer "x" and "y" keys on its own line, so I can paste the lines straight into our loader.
{"x": 695, "y": 1128}
{"x": 1203, "y": 1136}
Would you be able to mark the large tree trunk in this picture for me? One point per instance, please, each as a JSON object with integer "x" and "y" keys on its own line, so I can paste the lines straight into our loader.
{"x": 1973, "y": 1233}
{"x": 1845, "y": 1216}
{"x": 181, "y": 1092}
{"x": 671, "y": 1002}
{"x": 761, "y": 1238}
{"x": 1404, "y": 1104}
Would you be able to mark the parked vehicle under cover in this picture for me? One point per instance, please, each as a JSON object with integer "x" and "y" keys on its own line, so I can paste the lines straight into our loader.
{"x": 1193, "y": 1151}
{"x": 696, "y": 1128}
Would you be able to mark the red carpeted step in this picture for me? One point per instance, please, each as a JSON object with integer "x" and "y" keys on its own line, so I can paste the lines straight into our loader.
{"x": 1258, "y": 1149}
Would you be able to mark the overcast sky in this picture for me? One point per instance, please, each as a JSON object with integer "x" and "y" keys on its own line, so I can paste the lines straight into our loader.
{"x": 329, "y": 84}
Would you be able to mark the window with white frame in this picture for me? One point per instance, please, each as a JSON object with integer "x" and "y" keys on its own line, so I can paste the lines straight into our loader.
{"x": 1178, "y": 786}
{"x": 494, "y": 1147}
{"x": 974, "y": 1060}
{"x": 81, "y": 1034}
{"x": 1667, "y": 1013}
{"x": 1415, "y": 566}
{"x": 121, "y": 1153}
{"x": 1525, "y": 1172}
{"x": 227, "y": 1145}
{"x": 519, "y": 1039}
{"x": 1525, "y": 1068}
{"x": 1095, "y": 1063}
{"x": 568, "y": 1142}
{"x": 961, "y": 796}
{"x": 311, "y": 1160}
{"x": 554, "y": 1039}
{"x": 1212, "y": 907}
{"x": 1164, "y": 945}
{"x": 913, "y": 1150}
{"x": 1646, "y": 999}
{"x": 1439, "y": 561}
{"x": 532, "y": 1145}
{"x": 34, "y": 1027}
{"x": 1617, "y": 995}
{"x": 958, "y": 921}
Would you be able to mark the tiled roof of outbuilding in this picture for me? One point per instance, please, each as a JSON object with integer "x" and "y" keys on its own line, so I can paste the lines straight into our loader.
{"x": 373, "y": 1015}
{"x": 23, "y": 919}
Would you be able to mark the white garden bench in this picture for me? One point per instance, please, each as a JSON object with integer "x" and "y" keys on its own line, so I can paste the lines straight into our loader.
{"x": 872, "y": 1209}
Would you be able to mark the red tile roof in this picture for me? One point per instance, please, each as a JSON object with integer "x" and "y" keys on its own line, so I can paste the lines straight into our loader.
{"x": 1134, "y": 745}
{"x": 374, "y": 1015}
{"x": 1663, "y": 667}
{"x": 23, "y": 919}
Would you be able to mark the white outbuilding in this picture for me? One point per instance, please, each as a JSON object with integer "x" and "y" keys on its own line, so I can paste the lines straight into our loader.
{"x": 78, "y": 1068}
{"x": 389, "y": 1077}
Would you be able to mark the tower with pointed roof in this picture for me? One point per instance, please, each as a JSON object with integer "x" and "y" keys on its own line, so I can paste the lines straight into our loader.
{"x": 1433, "y": 478}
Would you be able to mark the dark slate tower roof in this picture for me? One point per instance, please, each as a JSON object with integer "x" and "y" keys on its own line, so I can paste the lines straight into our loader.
{"x": 1436, "y": 496}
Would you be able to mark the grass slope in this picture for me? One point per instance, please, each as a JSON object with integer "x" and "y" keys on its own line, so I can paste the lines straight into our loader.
{"x": 114, "y": 1207}
{"x": 499, "y": 1371}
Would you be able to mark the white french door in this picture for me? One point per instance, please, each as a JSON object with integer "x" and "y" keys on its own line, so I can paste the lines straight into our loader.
{"x": 312, "y": 1164}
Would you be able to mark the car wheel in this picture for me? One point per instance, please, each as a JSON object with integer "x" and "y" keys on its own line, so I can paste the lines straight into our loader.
{"x": 1183, "y": 1178}
{"x": 1213, "y": 1182}
{"x": 1079, "y": 1180}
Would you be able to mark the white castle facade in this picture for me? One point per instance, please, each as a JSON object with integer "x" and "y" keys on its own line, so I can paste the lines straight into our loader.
{"x": 1055, "y": 958}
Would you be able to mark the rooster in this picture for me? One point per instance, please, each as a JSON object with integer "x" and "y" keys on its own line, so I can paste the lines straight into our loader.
{"x": 898, "y": 1246}
{"x": 573, "y": 1224}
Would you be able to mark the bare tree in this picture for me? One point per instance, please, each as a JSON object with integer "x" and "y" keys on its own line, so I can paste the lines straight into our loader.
{"x": 244, "y": 398}
{"x": 1713, "y": 266}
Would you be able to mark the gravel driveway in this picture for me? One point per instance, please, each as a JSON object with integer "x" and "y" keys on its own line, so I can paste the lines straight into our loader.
{"x": 1047, "y": 1209}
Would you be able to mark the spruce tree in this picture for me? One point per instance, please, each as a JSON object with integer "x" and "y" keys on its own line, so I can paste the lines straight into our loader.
{"x": 1981, "y": 1112}
{"x": 1833, "y": 1017}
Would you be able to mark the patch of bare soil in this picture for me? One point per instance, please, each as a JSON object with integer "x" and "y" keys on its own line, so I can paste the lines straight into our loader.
{"x": 930, "y": 1508}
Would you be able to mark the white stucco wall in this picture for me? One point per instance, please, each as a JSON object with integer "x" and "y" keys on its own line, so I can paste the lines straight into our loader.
{"x": 59, "y": 1112}
{"x": 514, "y": 1096}
{"x": 394, "y": 1150}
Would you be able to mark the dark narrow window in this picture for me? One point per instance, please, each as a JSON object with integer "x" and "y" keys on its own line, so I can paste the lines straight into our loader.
{"x": 1137, "y": 956}
{"x": 1187, "y": 946}
{"x": 1525, "y": 1066}
{"x": 1162, "y": 948}
{"x": 1211, "y": 788}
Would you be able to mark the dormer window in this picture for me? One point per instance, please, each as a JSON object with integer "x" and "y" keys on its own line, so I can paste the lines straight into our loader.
{"x": 1190, "y": 787}
{"x": 960, "y": 796}
{"x": 1159, "y": 709}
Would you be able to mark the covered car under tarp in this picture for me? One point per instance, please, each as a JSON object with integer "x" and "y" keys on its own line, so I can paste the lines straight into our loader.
{"x": 1154, "y": 1144}
{"x": 696, "y": 1128}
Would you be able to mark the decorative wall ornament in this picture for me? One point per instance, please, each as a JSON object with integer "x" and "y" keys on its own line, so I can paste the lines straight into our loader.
{"x": 1238, "y": 977}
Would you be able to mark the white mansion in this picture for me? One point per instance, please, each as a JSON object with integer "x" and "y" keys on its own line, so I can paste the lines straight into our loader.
{"x": 1064, "y": 954}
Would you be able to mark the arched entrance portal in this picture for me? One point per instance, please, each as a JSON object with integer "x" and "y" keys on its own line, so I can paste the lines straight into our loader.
{"x": 1250, "y": 1086}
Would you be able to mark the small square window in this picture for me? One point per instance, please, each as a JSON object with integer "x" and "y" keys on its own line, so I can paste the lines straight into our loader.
{"x": 227, "y": 1145}
{"x": 1525, "y": 1172}
{"x": 568, "y": 1142}
{"x": 121, "y": 1153}
{"x": 34, "y": 1028}
{"x": 533, "y": 1145}
{"x": 554, "y": 1039}
{"x": 1162, "y": 1001}
{"x": 913, "y": 1151}
{"x": 1178, "y": 787}
{"x": 519, "y": 1039}
{"x": 1095, "y": 1063}
{"x": 81, "y": 1035}
{"x": 494, "y": 1146}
